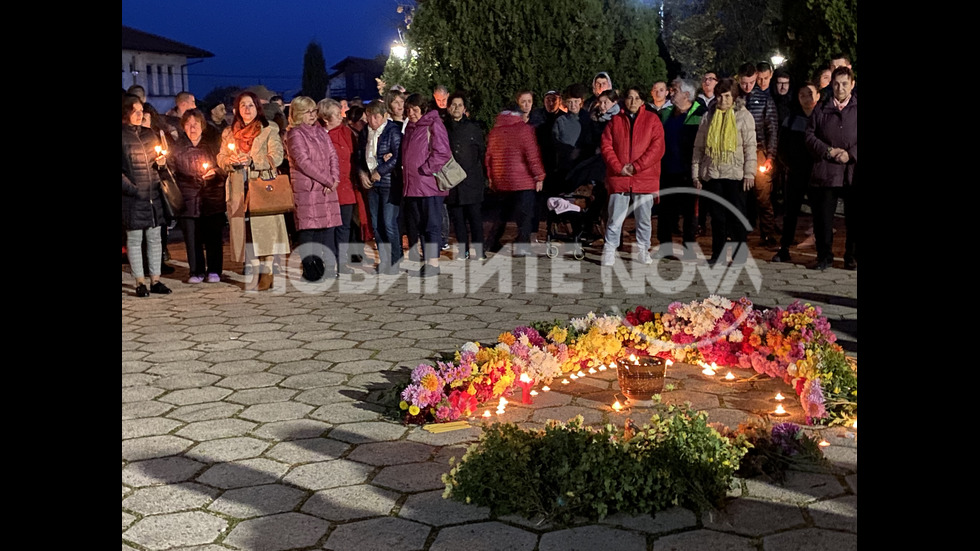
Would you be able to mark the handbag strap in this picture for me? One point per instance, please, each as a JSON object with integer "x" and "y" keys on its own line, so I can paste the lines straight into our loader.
{"x": 272, "y": 168}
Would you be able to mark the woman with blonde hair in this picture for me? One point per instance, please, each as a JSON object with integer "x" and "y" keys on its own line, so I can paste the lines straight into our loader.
{"x": 256, "y": 152}
{"x": 315, "y": 177}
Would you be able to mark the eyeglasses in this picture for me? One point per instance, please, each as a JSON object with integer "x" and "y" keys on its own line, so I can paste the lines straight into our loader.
{"x": 706, "y": 79}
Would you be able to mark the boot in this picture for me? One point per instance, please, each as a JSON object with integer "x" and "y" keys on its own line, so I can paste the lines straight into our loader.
{"x": 265, "y": 281}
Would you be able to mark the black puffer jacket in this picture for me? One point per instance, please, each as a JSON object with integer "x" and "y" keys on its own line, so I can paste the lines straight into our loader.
{"x": 468, "y": 147}
{"x": 142, "y": 205}
{"x": 201, "y": 197}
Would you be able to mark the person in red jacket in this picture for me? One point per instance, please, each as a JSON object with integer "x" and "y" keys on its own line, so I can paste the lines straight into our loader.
{"x": 343, "y": 140}
{"x": 515, "y": 171}
{"x": 632, "y": 146}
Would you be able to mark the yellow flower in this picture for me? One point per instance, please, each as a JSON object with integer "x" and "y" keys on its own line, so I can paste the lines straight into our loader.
{"x": 558, "y": 335}
{"x": 403, "y": 404}
{"x": 413, "y": 410}
{"x": 430, "y": 382}
{"x": 507, "y": 338}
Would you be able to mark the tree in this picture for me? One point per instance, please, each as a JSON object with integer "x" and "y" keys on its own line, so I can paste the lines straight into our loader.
{"x": 816, "y": 30}
{"x": 493, "y": 48}
{"x": 220, "y": 94}
{"x": 315, "y": 79}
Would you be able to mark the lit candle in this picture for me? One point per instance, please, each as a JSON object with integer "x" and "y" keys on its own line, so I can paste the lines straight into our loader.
{"x": 612, "y": 365}
{"x": 592, "y": 370}
{"x": 729, "y": 377}
{"x": 526, "y": 392}
{"x": 855, "y": 425}
{"x": 525, "y": 378}
{"x": 780, "y": 410}
{"x": 158, "y": 149}
{"x": 580, "y": 373}
{"x": 632, "y": 357}
{"x": 572, "y": 377}
{"x": 206, "y": 165}
{"x": 669, "y": 362}
{"x": 545, "y": 388}
{"x": 534, "y": 393}
{"x": 617, "y": 406}
{"x": 779, "y": 397}
{"x": 602, "y": 367}
{"x": 762, "y": 168}
{"x": 823, "y": 444}
{"x": 565, "y": 381}
{"x": 486, "y": 413}
{"x": 707, "y": 370}
{"x": 231, "y": 146}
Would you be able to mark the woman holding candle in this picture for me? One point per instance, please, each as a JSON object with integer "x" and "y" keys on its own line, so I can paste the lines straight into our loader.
{"x": 142, "y": 200}
{"x": 315, "y": 178}
{"x": 251, "y": 149}
{"x": 203, "y": 219}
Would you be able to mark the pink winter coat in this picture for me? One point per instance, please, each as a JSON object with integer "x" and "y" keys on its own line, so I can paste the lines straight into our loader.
{"x": 315, "y": 173}
{"x": 425, "y": 150}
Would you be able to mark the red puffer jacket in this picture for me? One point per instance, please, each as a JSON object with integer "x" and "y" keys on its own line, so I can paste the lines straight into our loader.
{"x": 644, "y": 150}
{"x": 513, "y": 159}
{"x": 343, "y": 142}
{"x": 314, "y": 174}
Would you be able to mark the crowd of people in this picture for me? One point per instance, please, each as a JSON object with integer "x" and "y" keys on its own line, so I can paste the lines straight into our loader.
{"x": 737, "y": 148}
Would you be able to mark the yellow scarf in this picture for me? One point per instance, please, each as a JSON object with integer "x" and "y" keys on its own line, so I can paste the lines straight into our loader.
{"x": 722, "y": 137}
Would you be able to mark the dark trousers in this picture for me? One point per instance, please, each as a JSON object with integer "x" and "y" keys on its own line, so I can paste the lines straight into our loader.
{"x": 204, "y": 235}
{"x": 473, "y": 216}
{"x": 795, "y": 191}
{"x": 425, "y": 215}
{"x": 678, "y": 201}
{"x": 517, "y": 206}
{"x": 824, "y": 203}
{"x": 315, "y": 266}
{"x": 723, "y": 220}
{"x": 343, "y": 233}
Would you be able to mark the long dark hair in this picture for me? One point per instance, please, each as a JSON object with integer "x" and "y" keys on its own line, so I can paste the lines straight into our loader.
{"x": 258, "y": 108}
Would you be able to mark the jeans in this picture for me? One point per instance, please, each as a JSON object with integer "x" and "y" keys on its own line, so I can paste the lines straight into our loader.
{"x": 619, "y": 206}
{"x": 425, "y": 215}
{"x": 384, "y": 222}
{"x": 154, "y": 251}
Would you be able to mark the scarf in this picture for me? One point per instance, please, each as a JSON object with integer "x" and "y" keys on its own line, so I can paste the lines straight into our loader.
{"x": 245, "y": 134}
{"x": 722, "y": 137}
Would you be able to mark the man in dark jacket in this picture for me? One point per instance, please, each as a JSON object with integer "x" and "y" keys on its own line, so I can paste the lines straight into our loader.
{"x": 795, "y": 157}
{"x": 831, "y": 136}
{"x": 379, "y": 159}
{"x": 766, "y": 116}
{"x": 680, "y": 121}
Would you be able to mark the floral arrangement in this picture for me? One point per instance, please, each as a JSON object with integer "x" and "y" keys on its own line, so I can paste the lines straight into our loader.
{"x": 794, "y": 344}
{"x": 774, "y": 449}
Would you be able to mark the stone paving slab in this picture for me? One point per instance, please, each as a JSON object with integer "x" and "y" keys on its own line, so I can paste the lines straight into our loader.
{"x": 250, "y": 420}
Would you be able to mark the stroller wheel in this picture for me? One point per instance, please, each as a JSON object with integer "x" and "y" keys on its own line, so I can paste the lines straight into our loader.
{"x": 578, "y": 253}
{"x": 552, "y": 250}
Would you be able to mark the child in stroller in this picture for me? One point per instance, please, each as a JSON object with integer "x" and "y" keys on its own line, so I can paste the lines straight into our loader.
{"x": 571, "y": 219}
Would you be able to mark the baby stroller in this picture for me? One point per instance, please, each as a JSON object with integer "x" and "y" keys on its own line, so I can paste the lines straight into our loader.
{"x": 569, "y": 220}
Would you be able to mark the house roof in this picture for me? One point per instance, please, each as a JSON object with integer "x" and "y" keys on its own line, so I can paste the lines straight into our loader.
{"x": 133, "y": 39}
{"x": 363, "y": 63}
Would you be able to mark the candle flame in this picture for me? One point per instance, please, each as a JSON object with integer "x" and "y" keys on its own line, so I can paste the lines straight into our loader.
{"x": 592, "y": 370}
{"x": 602, "y": 367}
{"x": 855, "y": 425}
{"x": 158, "y": 149}
{"x": 708, "y": 371}
{"x": 525, "y": 378}
{"x": 206, "y": 165}
{"x": 632, "y": 357}
{"x": 503, "y": 402}
{"x": 612, "y": 364}
{"x": 534, "y": 393}
{"x": 572, "y": 377}
{"x": 545, "y": 388}
{"x": 617, "y": 406}
{"x": 486, "y": 413}
{"x": 729, "y": 377}
{"x": 669, "y": 363}
{"x": 565, "y": 381}
{"x": 823, "y": 444}
{"x": 580, "y": 373}
{"x": 762, "y": 169}
{"x": 231, "y": 146}
{"x": 780, "y": 410}
{"x": 779, "y": 397}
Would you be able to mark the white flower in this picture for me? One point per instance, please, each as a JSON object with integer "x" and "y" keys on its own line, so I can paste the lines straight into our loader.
{"x": 503, "y": 346}
{"x": 470, "y": 347}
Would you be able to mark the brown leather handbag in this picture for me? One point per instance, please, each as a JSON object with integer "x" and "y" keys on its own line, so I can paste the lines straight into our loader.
{"x": 272, "y": 195}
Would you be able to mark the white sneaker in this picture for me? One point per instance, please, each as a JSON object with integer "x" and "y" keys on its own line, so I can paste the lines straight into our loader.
{"x": 644, "y": 258}
{"x": 608, "y": 255}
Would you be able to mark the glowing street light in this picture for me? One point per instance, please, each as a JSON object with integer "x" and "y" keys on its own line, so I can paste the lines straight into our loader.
{"x": 398, "y": 50}
{"x": 777, "y": 60}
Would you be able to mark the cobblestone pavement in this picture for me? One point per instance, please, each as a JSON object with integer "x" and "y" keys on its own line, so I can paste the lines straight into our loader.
{"x": 250, "y": 420}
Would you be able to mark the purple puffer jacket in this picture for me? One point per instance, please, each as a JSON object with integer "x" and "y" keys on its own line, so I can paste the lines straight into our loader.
{"x": 425, "y": 150}
{"x": 314, "y": 172}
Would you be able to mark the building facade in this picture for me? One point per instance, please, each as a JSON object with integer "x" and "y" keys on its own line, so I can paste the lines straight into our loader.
{"x": 157, "y": 64}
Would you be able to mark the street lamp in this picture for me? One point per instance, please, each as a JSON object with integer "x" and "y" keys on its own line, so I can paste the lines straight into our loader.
{"x": 398, "y": 50}
{"x": 777, "y": 60}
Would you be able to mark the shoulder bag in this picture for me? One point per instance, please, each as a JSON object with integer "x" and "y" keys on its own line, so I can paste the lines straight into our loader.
{"x": 272, "y": 195}
{"x": 173, "y": 199}
{"x": 451, "y": 174}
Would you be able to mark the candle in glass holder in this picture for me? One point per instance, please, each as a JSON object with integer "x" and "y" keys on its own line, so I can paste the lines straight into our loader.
{"x": 617, "y": 406}
{"x": 780, "y": 410}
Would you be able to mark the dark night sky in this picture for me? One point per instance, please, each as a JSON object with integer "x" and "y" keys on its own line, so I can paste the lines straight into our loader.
{"x": 263, "y": 41}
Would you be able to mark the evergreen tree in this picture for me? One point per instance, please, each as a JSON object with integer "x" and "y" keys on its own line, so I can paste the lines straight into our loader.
{"x": 315, "y": 79}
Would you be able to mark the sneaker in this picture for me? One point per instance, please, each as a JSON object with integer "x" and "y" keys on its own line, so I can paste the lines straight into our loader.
{"x": 608, "y": 256}
{"x": 142, "y": 291}
{"x": 445, "y": 247}
{"x": 644, "y": 258}
{"x": 159, "y": 288}
{"x": 214, "y": 278}
{"x": 195, "y": 279}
